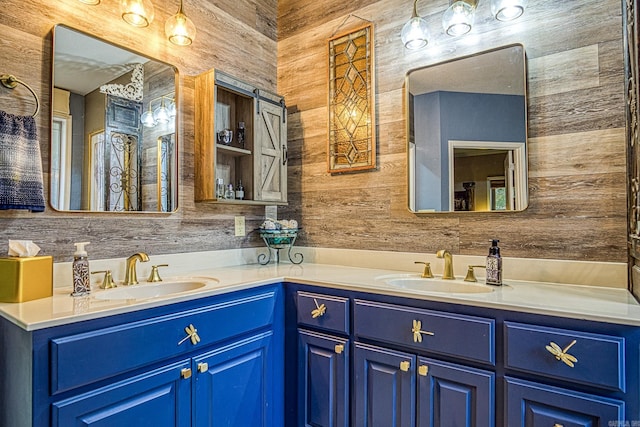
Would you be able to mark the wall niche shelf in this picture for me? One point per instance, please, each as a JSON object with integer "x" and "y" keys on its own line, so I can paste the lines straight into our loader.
{"x": 260, "y": 161}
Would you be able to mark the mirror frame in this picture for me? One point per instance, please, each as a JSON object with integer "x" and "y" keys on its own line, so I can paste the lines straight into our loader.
{"x": 523, "y": 172}
{"x": 144, "y": 102}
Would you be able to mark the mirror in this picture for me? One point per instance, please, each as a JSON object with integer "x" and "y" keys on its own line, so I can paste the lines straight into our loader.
{"x": 113, "y": 130}
{"x": 467, "y": 133}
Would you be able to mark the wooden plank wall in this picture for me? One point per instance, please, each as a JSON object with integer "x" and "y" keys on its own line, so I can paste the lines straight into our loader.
{"x": 238, "y": 37}
{"x": 576, "y": 131}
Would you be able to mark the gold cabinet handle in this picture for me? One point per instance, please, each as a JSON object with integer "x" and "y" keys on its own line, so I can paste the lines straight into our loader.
{"x": 418, "y": 332}
{"x": 191, "y": 333}
{"x": 339, "y": 348}
{"x": 203, "y": 367}
{"x": 319, "y": 310}
{"x": 404, "y": 366}
{"x": 423, "y": 370}
{"x": 185, "y": 373}
{"x": 561, "y": 353}
{"x": 558, "y": 425}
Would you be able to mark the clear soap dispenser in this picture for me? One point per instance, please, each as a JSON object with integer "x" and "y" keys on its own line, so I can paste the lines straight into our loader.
{"x": 81, "y": 282}
{"x": 494, "y": 264}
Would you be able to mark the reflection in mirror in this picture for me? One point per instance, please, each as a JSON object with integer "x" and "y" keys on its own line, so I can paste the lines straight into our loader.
{"x": 113, "y": 144}
{"x": 467, "y": 130}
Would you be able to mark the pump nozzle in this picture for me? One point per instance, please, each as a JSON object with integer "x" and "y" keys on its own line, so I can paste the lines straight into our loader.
{"x": 80, "y": 251}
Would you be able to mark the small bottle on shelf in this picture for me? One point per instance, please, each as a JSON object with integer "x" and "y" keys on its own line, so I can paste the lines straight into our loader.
{"x": 220, "y": 188}
{"x": 230, "y": 193}
{"x": 240, "y": 191}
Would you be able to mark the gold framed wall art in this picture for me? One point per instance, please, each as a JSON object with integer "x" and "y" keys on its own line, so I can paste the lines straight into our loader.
{"x": 352, "y": 130}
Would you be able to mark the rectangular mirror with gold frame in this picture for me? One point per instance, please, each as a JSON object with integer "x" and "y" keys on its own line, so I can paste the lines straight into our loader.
{"x": 467, "y": 133}
{"x": 111, "y": 107}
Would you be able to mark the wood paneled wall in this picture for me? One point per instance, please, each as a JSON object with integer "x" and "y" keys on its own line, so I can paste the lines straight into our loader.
{"x": 576, "y": 126}
{"x": 576, "y": 130}
{"x": 238, "y": 37}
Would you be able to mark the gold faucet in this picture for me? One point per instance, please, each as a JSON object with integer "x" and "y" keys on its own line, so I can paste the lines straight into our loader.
{"x": 131, "y": 277}
{"x": 426, "y": 273}
{"x": 447, "y": 274}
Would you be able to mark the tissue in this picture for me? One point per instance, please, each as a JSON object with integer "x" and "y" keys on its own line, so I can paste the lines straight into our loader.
{"x": 23, "y": 248}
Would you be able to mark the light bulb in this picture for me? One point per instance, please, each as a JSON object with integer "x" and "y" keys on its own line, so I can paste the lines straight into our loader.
{"x": 415, "y": 33}
{"x": 179, "y": 29}
{"x": 91, "y": 2}
{"x": 508, "y": 10}
{"x": 138, "y": 13}
{"x": 147, "y": 119}
{"x": 458, "y": 18}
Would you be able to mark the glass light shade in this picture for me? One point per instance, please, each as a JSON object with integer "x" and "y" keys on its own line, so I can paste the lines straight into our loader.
{"x": 147, "y": 119}
{"x": 91, "y": 2}
{"x": 161, "y": 114}
{"x": 138, "y": 13}
{"x": 458, "y": 19}
{"x": 171, "y": 108}
{"x": 415, "y": 33}
{"x": 180, "y": 29}
{"x": 508, "y": 10}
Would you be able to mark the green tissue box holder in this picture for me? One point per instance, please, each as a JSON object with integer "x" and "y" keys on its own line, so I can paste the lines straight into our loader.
{"x": 26, "y": 279}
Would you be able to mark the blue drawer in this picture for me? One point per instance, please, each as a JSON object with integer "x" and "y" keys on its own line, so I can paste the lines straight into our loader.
{"x": 83, "y": 358}
{"x": 465, "y": 337}
{"x": 334, "y": 317}
{"x": 600, "y": 358}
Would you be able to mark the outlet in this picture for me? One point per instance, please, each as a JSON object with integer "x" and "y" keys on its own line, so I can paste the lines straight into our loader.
{"x": 240, "y": 230}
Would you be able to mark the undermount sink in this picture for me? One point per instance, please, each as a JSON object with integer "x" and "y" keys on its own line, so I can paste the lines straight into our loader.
{"x": 437, "y": 285}
{"x": 152, "y": 290}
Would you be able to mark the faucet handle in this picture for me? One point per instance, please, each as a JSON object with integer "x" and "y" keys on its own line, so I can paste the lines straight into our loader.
{"x": 471, "y": 277}
{"x": 107, "y": 282}
{"x": 426, "y": 273}
{"x": 154, "y": 276}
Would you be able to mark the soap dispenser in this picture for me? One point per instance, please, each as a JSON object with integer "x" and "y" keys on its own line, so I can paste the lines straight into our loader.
{"x": 494, "y": 265}
{"x": 81, "y": 282}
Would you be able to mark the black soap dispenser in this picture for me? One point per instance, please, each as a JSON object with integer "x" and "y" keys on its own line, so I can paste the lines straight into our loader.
{"x": 494, "y": 265}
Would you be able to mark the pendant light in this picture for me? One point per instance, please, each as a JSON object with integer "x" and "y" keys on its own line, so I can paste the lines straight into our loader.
{"x": 161, "y": 114}
{"x": 415, "y": 33}
{"x": 508, "y": 10}
{"x": 138, "y": 13}
{"x": 180, "y": 29}
{"x": 459, "y": 17}
{"x": 90, "y": 2}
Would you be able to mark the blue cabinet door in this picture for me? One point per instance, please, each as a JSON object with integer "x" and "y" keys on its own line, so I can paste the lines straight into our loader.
{"x": 454, "y": 395}
{"x": 323, "y": 380}
{"x": 385, "y": 389}
{"x": 239, "y": 384}
{"x": 530, "y": 404}
{"x": 158, "y": 398}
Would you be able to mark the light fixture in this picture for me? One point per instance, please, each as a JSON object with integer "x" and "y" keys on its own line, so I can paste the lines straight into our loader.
{"x": 508, "y": 10}
{"x": 415, "y": 33}
{"x": 91, "y": 2}
{"x": 147, "y": 119}
{"x": 180, "y": 29}
{"x": 161, "y": 114}
{"x": 138, "y": 13}
{"x": 458, "y": 18}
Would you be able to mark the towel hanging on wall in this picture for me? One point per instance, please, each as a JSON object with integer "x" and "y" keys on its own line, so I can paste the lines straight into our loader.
{"x": 21, "y": 185}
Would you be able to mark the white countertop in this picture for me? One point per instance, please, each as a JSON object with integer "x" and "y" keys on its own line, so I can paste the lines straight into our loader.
{"x": 572, "y": 301}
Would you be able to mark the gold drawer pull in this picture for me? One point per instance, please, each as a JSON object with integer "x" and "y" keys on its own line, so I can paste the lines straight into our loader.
{"x": 404, "y": 366}
{"x": 417, "y": 332}
{"x": 191, "y": 333}
{"x": 339, "y": 348}
{"x": 203, "y": 367}
{"x": 561, "y": 354}
{"x": 558, "y": 425}
{"x": 185, "y": 373}
{"x": 423, "y": 370}
{"x": 319, "y": 310}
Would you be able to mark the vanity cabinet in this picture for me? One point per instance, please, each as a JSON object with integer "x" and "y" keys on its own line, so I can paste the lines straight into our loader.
{"x": 216, "y": 361}
{"x": 259, "y": 161}
{"x": 399, "y": 388}
{"x": 323, "y": 360}
{"x": 421, "y": 363}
